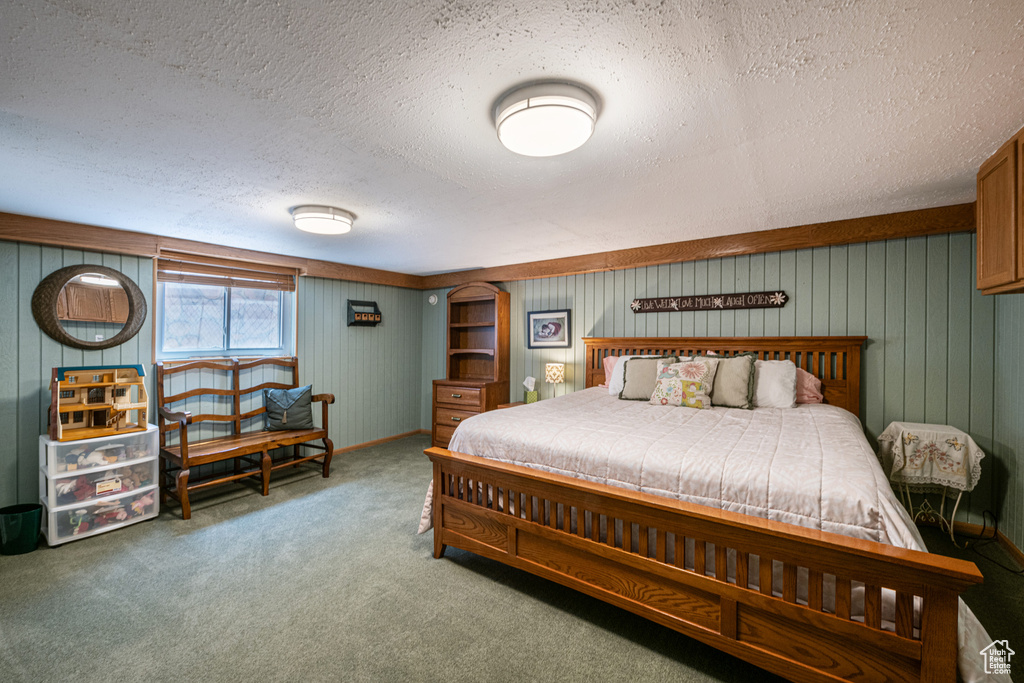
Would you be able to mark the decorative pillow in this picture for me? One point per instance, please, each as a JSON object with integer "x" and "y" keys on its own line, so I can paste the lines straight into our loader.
{"x": 774, "y": 384}
{"x": 734, "y": 382}
{"x": 640, "y": 375}
{"x": 808, "y": 388}
{"x": 615, "y": 380}
{"x": 609, "y": 367}
{"x": 288, "y": 408}
{"x": 685, "y": 384}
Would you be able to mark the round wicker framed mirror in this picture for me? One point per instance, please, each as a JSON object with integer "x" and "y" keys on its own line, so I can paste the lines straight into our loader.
{"x": 91, "y": 301}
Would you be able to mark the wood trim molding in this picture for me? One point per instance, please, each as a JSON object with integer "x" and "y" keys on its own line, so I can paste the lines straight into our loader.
{"x": 937, "y": 221}
{"x": 377, "y": 442}
{"x": 975, "y": 530}
{"x": 1011, "y": 549}
{"x": 18, "y": 228}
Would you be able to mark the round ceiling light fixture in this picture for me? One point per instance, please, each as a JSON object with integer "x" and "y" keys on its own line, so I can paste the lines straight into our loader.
{"x": 545, "y": 119}
{"x": 322, "y": 220}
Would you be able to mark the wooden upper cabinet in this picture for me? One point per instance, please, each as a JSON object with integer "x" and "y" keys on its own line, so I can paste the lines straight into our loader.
{"x": 999, "y": 213}
{"x": 79, "y": 302}
{"x": 118, "y": 306}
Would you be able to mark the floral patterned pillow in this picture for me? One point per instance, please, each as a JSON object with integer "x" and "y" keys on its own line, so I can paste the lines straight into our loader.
{"x": 686, "y": 384}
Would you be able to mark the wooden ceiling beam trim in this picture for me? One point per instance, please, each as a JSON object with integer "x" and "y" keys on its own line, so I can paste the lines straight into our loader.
{"x": 937, "y": 221}
{"x": 18, "y": 228}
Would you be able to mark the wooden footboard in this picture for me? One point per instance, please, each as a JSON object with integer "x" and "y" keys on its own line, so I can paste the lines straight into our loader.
{"x": 626, "y": 548}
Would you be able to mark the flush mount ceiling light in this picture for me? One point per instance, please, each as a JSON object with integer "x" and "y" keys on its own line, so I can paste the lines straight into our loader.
{"x": 99, "y": 280}
{"x": 323, "y": 220}
{"x": 545, "y": 119}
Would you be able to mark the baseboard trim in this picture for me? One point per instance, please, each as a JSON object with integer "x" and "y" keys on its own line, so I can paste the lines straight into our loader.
{"x": 1011, "y": 549}
{"x": 377, "y": 442}
{"x": 975, "y": 530}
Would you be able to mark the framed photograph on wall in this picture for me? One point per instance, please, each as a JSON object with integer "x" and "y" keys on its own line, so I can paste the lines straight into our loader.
{"x": 548, "y": 330}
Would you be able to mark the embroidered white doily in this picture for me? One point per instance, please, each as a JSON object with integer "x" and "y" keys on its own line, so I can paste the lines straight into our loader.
{"x": 927, "y": 457}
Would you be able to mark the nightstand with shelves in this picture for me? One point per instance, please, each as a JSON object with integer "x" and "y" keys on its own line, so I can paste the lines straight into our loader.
{"x": 477, "y": 358}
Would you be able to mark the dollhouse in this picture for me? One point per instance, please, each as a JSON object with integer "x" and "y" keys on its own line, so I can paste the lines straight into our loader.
{"x": 87, "y": 402}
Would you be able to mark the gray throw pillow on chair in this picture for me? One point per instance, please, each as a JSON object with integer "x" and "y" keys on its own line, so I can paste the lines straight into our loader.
{"x": 288, "y": 408}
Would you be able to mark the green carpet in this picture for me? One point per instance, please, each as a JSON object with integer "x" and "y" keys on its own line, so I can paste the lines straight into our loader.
{"x": 324, "y": 579}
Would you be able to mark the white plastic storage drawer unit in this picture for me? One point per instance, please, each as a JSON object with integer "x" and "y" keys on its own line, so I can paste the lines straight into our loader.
{"x": 73, "y": 488}
{"x": 91, "y": 486}
{"x": 72, "y": 522}
{"x": 58, "y": 457}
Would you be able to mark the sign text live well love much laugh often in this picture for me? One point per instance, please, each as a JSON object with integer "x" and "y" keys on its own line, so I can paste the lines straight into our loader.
{"x": 710, "y": 302}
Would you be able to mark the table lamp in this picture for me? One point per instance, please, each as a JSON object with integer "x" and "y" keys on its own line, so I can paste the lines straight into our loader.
{"x": 554, "y": 373}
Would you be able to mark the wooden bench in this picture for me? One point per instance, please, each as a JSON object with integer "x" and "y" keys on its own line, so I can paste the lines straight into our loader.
{"x": 248, "y": 438}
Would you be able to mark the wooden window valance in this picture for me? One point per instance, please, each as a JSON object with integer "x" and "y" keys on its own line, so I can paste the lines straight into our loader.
{"x": 207, "y": 270}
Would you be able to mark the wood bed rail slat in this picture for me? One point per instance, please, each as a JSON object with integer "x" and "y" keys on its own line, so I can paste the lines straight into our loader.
{"x": 904, "y": 614}
{"x": 873, "y": 606}
{"x": 742, "y": 569}
{"x": 789, "y": 582}
{"x": 721, "y": 563}
{"x": 814, "y": 590}
{"x": 843, "y": 588}
{"x": 764, "y": 572}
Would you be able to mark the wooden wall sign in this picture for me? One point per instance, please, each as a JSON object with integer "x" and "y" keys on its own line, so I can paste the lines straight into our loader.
{"x": 710, "y": 302}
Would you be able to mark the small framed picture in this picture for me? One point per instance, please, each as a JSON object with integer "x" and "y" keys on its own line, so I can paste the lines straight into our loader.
{"x": 548, "y": 330}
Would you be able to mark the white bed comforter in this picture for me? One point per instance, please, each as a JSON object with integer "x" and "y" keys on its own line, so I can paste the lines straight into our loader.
{"x": 810, "y": 466}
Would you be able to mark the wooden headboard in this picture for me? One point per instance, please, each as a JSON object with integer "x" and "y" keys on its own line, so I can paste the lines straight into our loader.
{"x": 834, "y": 360}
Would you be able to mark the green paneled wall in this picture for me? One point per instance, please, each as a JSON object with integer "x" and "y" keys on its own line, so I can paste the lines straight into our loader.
{"x": 1008, "y": 447}
{"x": 27, "y": 355}
{"x": 932, "y": 336}
{"x": 366, "y": 368}
{"x": 373, "y": 372}
{"x": 432, "y": 349}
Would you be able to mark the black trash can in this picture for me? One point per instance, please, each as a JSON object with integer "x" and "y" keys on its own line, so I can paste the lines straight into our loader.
{"x": 19, "y": 528}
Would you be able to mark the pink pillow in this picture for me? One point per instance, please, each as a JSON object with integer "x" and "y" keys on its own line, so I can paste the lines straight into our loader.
{"x": 609, "y": 367}
{"x": 808, "y": 387}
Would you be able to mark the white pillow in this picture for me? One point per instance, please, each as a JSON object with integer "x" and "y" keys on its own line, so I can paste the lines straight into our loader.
{"x": 774, "y": 384}
{"x": 618, "y": 378}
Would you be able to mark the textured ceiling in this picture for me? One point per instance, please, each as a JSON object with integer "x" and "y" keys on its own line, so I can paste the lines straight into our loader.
{"x": 209, "y": 120}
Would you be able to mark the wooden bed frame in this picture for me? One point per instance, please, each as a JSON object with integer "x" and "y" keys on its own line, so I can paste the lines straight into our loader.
{"x": 551, "y": 525}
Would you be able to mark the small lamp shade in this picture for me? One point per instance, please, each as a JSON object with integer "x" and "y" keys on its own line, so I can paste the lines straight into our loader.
{"x": 554, "y": 373}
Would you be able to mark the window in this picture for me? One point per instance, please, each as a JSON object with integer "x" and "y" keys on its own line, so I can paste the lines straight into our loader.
{"x": 212, "y": 307}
